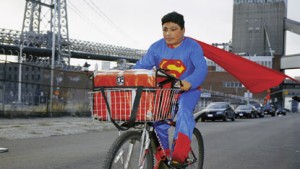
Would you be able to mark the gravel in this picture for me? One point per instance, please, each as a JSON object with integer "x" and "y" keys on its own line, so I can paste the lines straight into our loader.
{"x": 45, "y": 127}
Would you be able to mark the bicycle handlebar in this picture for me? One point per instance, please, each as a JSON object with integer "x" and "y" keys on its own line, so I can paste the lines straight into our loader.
{"x": 170, "y": 78}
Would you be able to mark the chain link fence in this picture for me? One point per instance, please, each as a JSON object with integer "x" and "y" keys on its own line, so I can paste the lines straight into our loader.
{"x": 30, "y": 95}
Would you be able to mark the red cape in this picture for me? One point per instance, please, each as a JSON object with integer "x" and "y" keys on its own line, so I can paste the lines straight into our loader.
{"x": 253, "y": 76}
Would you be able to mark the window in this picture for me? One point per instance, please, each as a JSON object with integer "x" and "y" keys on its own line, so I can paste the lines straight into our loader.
{"x": 232, "y": 84}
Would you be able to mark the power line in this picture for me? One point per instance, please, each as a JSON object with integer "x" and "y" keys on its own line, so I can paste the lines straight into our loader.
{"x": 89, "y": 21}
{"x": 102, "y": 15}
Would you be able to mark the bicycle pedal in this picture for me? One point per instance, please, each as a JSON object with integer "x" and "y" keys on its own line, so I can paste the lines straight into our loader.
{"x": 176, "y": 165}
{"x": 190, "y": 160}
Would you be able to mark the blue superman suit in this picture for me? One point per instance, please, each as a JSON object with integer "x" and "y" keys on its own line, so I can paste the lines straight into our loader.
{"x": 185, "y": 62}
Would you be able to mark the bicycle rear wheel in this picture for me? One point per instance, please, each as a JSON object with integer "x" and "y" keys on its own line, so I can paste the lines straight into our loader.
{"x": 197, "y": 152}
{"x": 124, "y": 153}
{"x": 196, "y": 155}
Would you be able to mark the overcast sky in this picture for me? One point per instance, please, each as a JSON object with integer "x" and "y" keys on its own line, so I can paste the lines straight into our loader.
{"x": 137, "y": 24}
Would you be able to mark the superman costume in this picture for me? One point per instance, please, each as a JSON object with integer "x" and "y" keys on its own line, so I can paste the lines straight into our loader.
{"x": 185, "y": 62}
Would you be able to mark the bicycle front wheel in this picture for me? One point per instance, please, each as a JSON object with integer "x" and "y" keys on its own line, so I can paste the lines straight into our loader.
{"x": 125, "y": 152}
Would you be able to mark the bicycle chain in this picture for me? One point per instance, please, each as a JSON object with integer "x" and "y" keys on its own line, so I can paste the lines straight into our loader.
{"x": 159, "y": 141}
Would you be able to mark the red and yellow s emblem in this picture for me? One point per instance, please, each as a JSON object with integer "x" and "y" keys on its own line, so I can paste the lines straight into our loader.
{"x": 176, "y": 67}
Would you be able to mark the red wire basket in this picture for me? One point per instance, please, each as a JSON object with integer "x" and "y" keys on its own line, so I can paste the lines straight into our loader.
{"x": 133, "y": 103}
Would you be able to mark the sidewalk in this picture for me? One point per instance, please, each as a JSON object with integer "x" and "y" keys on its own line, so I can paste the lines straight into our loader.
{"x": 45, "y": 127}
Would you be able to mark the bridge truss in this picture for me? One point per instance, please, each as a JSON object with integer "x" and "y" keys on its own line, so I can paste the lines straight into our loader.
{"x": 37, "y": 48}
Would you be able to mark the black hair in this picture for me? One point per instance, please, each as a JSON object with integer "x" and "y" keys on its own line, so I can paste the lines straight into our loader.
{"x": 173, "y": 17}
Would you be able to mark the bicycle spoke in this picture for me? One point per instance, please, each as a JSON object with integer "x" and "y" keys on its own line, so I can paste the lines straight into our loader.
{"x": 119, "y": 156}
{"x": 130, "y": 149}
{"x": 127, "y": 154}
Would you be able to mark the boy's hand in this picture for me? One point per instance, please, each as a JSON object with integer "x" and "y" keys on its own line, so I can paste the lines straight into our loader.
{"x": 185, "y": 85}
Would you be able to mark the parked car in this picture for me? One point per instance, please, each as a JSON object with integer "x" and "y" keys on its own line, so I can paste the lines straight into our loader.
{"x": 287, "y": 110}
{"x": 246, "y": 111}
{"x": 269, "y": 109}
{"x": 259, "y": 109}
{"x": 281, "y": 111}
{"x": 216, "y": 111}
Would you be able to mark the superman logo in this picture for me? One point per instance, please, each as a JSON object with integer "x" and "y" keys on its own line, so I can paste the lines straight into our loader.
{"x": 175, "y": 67}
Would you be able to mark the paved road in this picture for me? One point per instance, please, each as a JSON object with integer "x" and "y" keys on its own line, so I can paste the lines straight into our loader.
{"x": 268, "y": 143}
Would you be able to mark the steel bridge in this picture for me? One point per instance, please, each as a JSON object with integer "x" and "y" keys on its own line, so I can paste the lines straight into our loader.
{"x": 38, "y": 47}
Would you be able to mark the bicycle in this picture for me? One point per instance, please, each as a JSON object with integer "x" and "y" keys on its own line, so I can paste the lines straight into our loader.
{"x": 134, "y": 109}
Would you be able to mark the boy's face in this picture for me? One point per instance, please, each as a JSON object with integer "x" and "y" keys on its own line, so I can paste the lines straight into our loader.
{"x": 172, "y": 33}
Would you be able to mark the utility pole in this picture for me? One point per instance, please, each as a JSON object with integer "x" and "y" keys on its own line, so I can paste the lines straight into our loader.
{"x": 53, "y": 55}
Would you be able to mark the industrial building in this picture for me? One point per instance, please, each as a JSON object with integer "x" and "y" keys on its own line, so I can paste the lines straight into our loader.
{"x": 258, "y": 27}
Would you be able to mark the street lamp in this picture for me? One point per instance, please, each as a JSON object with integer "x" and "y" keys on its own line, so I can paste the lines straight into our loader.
{"x": 86, "y": 70}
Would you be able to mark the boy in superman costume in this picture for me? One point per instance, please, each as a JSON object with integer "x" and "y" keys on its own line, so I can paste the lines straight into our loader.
{"x": 184, "y": 59}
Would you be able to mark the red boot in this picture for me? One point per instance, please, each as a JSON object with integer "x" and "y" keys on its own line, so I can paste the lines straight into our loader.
{"x": 182, "y": 148}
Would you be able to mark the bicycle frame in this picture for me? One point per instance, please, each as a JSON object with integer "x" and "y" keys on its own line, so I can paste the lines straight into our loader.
{"x": 138, "y": 107}
{"x": 145, "y": 139}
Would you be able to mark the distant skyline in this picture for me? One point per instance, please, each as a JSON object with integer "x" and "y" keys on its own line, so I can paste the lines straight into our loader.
{"x": 136, "y": 23}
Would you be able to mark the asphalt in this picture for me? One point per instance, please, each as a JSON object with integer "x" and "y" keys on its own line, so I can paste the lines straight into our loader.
{"x": 45, "y": 127}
